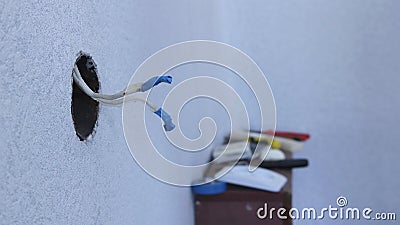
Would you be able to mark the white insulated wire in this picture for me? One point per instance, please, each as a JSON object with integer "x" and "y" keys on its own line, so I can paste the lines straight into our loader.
{"x": 114, "y": 99}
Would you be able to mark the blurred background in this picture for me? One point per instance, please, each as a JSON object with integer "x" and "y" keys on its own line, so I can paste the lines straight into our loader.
{"x": 333, "y": 67}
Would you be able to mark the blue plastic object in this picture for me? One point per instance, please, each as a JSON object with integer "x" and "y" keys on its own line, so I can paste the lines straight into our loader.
{"x": 213, "y": 188}
{"x": 155, "y": 81}
{"x": 168, "y": 125}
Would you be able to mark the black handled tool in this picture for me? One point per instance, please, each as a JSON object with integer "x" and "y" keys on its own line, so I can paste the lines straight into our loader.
{"x": 282, "y": 164}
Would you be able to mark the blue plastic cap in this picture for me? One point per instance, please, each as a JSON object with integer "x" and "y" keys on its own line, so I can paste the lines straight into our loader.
{"x": 155, "y": 81}
{"x": 168, "y": 124}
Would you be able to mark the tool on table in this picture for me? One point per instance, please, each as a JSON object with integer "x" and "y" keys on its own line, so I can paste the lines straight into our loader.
{"x": 243, "y": 136}
{"x": 211, "y": 188}
{"x": 232, "y": 152}
{"x": 286, "y": 144}
{"x": 291, "y": 135}
{"x": 284, "y": 164}
{"x": 262, "y": 179}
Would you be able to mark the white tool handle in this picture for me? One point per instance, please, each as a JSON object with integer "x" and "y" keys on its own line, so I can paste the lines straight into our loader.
{"x": 286, "y": 144}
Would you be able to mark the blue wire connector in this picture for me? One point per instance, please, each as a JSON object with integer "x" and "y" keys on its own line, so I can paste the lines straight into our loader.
{"x": 155, "y": 81}
{"x": 168, "y": 125}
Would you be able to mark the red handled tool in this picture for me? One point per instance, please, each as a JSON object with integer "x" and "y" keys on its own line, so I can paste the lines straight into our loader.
{"x": 291, "y": 135}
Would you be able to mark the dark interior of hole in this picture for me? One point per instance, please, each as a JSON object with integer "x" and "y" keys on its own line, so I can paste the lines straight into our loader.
{"x": 84, "y": 109}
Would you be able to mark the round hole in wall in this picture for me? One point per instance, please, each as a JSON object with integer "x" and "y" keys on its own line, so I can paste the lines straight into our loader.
{"x": 84, "y": 109}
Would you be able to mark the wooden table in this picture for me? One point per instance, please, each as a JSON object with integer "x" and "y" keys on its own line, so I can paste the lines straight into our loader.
{"x": 239, "y": 205}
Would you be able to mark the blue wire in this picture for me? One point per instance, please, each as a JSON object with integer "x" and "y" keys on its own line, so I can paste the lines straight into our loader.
{"x": 168, "y": 124}
{"x": 155, "y": 81}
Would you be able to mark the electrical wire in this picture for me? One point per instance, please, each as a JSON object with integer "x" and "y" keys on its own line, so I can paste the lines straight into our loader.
{"x": 126, "y": 95}
{"x": 114, "y": 99}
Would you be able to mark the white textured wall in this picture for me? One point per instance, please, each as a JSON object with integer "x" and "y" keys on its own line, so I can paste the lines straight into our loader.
{"x": 47, "y": 175}
{"x": 333, "y": 67}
